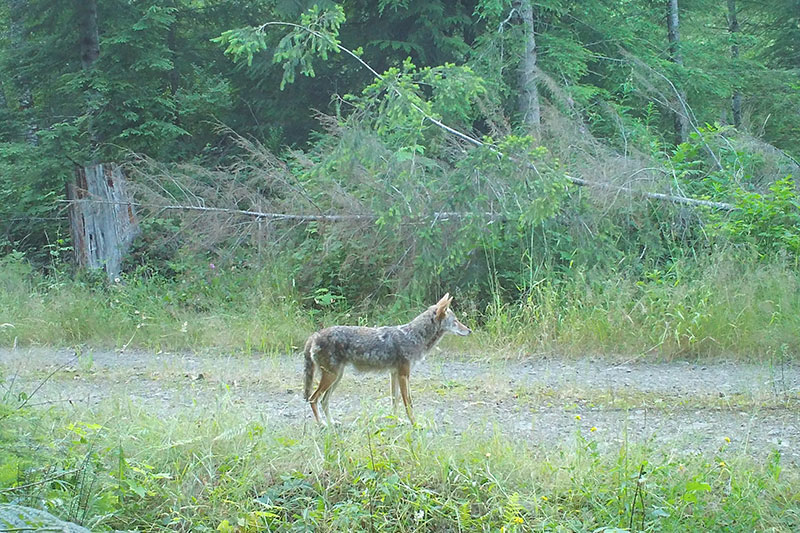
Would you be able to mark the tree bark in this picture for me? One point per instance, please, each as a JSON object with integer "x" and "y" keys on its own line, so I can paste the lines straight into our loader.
{"x": 680, "y": 113}
{"x": 529, "y": 108}
{"x": 3, "y": 101}
{"x": 174, "y": 76}
{"x": 89, "y": 34}
{"x": 17, "y": 10}
{"x": 102, "y": 218}
{"x": 733, "y": 29}
{"x": 89, "y": 42}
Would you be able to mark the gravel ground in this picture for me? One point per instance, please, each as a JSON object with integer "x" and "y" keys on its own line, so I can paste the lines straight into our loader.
{"x": 676, "y": 407}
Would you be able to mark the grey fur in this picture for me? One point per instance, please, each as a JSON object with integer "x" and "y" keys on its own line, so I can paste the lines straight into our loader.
{"x": 393, "y": 348}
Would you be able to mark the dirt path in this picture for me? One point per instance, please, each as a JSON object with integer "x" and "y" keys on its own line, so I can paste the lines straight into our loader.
{"x": 677, "y": 407}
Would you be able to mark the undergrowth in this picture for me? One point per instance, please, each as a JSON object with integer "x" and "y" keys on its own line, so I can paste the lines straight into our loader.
{"x": 719, "y": 306}
{"x": 219, "y": 468}
{"x": 242, "y": 311}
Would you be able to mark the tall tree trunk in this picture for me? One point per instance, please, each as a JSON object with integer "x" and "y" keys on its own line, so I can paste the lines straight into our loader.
{"x": 3, "y": 101}
{"x": 89, "y": 34}
{"x": 102, "y": 217}
{"x": 529, "y": 93}
{"x": 89, "y": 41}
{"x": 733, "y": 29}
{"x": 17, "y": 10}
{"x": 26, "y": 106}
{"x": 680, "y": 113}
{"x": 174, "y": 75}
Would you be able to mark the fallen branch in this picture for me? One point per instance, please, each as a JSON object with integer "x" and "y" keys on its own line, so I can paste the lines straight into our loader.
{"x": 437, "y": 215}
{"x": 654, "y": 195}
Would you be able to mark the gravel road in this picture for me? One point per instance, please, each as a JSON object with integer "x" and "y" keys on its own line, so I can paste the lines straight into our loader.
{"x": 676, "y": 407}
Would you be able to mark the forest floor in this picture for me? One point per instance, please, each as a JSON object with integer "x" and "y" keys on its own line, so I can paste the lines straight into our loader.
{"x": 676, "y": 407}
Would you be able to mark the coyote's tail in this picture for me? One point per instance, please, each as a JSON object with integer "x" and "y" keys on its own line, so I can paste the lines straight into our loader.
{"x": 311, "y": 368}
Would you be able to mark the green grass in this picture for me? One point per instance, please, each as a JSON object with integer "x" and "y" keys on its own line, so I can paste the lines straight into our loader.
{"x": 237, "y": 311}
{"x": 722, "y": 307}
{"x": 219, "y": 468}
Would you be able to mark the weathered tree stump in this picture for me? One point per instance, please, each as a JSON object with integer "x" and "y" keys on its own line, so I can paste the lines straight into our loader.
{"x": 102, "y": 218}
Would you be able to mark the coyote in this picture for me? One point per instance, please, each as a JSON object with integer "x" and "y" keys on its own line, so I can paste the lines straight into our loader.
{"x": 393, "y": 348}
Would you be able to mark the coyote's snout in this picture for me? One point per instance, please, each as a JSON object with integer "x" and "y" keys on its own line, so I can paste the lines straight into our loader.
{"x": 393, "y": 348}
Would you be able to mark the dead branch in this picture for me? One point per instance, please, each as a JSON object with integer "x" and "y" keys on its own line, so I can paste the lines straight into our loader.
{"x": 435, "y": 216}
{"x": 654, "y": 195}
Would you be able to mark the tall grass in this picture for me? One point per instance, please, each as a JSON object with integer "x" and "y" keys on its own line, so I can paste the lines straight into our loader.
{"x": 222, "y": 468}
{"x": 232, "y": 310}
{"x": 718, "y": 307}
{"x": 722, "y": 307}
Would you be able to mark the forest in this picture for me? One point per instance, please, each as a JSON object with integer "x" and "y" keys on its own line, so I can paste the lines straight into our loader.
{"x": 603, "y": 180}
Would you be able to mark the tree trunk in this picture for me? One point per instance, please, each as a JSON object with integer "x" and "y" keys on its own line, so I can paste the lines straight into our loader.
{"x": 529, "y": 93}
{"x": 17, "y": 10}
{"x": 88, "y": 32}
{"x": 173, "y": 73}
{"x": 89, "y": 41}
{"x": 680, "y": 113}
{"x": 26, "y": 106}
{"x": 733, "y": 29}
{"x": 102, "y": 217}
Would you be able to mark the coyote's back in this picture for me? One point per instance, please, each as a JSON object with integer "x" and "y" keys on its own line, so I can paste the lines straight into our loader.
{"x": 393, "y": 348}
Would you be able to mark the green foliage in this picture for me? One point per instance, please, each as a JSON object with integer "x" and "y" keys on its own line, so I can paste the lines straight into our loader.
{"x": 318, "y": 36}
{"x": 401, "y": 108}
{"x": 680, "y": 309}
{"x": 31, "y": 188}
{"x": 719, "y": 306}
{"x": 769, "y": 221}
{"x": 431, "y": 33}
{"x": 315, "y": 35}
{"x": 510, "y": 232}
{"x": 242, "y": 42}
{"x": 765, "y": 216}
{"x": 223, "y": 468}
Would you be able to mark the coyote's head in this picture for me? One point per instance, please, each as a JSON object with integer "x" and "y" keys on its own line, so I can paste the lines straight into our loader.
{"x": 447, "y": 319}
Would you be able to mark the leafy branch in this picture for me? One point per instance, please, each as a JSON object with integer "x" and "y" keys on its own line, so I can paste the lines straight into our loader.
{"x": 317, "y": 34}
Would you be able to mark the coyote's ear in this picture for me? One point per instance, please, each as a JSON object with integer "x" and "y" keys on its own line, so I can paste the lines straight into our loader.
{"x": 442, "y": 305}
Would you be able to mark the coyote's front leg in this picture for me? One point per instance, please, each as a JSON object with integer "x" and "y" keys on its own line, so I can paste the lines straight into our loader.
{"x": 402, "y": 379}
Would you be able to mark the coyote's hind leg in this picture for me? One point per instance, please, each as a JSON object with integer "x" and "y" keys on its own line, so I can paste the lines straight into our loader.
{"x": 328, "y": 379}
{"x": 326, "y": 397}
